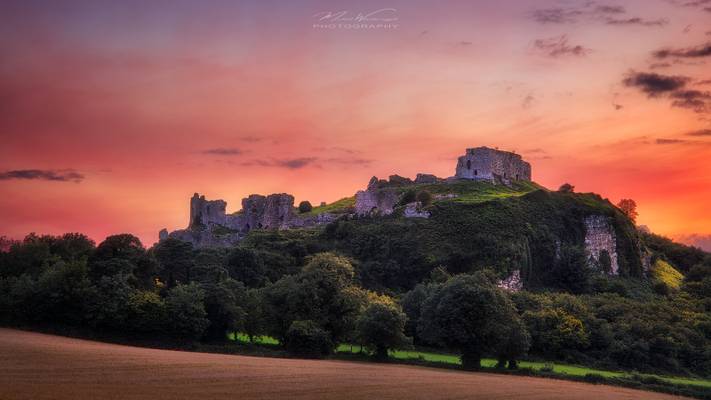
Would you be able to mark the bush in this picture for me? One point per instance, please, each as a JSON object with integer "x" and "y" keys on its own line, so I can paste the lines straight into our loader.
{"x": 409, "y": 196}
{"x": 307, "y": 339}
{"x": 425, "y": 198}
{"x": 566, "y": 188}
{"x": 547, "y": 367}
{"x": 305, "y": 207}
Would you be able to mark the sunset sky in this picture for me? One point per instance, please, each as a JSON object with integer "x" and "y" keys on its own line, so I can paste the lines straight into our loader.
{"x": 113, "y": 113}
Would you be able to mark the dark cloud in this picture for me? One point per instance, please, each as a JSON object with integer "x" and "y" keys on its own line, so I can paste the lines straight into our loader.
{"x": 703, "y": 50}
{"x": 556, "y": 15}
{"x": 559, "y": 47}
{"x": 296, "y": 163}
{"x": 660, "y": 65}
{"x": 704, "y": 82}
{"x": 672, "y": 87}
{"x": 610, "y": 9}
{"x": 465, "y": 43}
{"x": 708, "y": 33}
{"x": 637, "y": 21}
{"x": 695, "y": 100}
{"x": 654, "y": 84}
{"x": 669, "y": 141}
{"x": 609, "y": 14}
{"x": 251, "y": 139}
{"x": 65, "y": 175}
{"x": 700, "y": 132}
{"x": 302, "y": 162}
{"x": 223, "y": 151}
{"x": 528, "y": 101}
{"x": 353, "y": 161}
{"x": 535, "y": 151}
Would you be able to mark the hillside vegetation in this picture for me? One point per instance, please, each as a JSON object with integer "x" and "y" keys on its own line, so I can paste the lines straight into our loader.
{"x": 392, "y": 283}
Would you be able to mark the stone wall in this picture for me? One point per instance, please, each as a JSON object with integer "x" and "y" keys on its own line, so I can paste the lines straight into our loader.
{"x": 206, "y": 212}
{"x": 599, "y": 236}
{"x": 376, "y": 201}
{"x": 483, "y": 163}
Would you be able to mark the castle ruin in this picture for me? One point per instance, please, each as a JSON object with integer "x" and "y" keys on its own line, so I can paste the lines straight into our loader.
{"x": 493, "y": 165}
{"x": 211, "y": 225}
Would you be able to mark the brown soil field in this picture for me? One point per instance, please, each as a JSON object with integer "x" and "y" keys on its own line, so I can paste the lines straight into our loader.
{"x": 38, "y": 366}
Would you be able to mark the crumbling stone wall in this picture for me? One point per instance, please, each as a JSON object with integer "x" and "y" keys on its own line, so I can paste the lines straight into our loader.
{"x": 483, "y": 163}
{"x": 376, "y": 201}
{"x": 204, "y": 213}
{"x": 600, "y": 236}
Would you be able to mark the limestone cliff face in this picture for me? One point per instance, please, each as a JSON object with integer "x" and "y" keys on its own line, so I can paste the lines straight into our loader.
{"x": 600, "y": 237}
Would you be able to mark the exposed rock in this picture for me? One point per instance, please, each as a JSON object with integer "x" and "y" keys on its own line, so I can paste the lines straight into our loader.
{"x": 427, "y": 178}
{"x": 413, "y": 210}
{"x": 483, "y": 163}
{"x": 397, "y": 180}
{"x": 599, "y": 237}
{"x": 513, "y": 283}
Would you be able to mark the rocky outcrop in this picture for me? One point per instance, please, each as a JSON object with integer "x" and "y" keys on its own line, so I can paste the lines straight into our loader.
{"x": 599, "y": 239}
{"x": 414, "y": 210}
{"x": 427, "y": 179}
{"x": 513, "y": 283}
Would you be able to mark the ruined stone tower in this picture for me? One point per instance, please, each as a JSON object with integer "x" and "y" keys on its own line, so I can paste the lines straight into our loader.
{"x": 483, "y": 163}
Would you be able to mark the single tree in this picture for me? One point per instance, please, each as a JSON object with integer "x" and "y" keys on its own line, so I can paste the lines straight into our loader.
{"x": 381, "y": 327}
{"x": 462, "y": 315}
{"x": 425, "y": 198}
{"x": 629, "y": 207}
{"x": 566, "y": 188}
{"x": 305, "y": 207}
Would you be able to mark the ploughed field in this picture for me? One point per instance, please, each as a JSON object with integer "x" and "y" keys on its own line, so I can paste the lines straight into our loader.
{"x": 39, "y": 366}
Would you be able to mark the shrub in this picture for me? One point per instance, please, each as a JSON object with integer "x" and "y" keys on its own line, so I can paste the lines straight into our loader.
{"x": 425, "y": 198}
{"x": 305, "y": 207}
{"x": 409, "y": 196}
{"x": 307, "y": 339}
{"x": 566, "y": 188}
{"x": 547, "y": 367}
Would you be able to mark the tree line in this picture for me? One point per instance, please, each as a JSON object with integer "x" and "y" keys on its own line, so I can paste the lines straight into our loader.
{"x": 312, "y": 299}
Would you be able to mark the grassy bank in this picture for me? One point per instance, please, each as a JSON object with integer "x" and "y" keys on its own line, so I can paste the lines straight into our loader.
{"x": 559, "y": 370}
